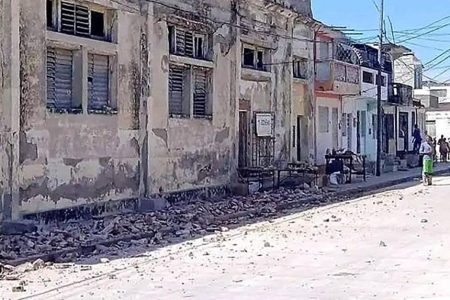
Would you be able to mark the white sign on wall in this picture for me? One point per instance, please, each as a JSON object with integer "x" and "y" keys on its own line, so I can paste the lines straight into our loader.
{"x": 264, "y": 124}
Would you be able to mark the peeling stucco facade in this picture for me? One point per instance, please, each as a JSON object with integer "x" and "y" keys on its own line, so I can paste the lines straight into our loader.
{"x": 57, "y": 160}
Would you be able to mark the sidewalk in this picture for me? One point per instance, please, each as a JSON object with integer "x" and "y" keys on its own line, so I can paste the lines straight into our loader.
{"x": 374, "y": 183}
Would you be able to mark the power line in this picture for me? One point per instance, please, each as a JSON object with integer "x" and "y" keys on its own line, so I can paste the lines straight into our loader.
{"x": 437, "y": 57}
{"x": 425, "y": 33}
{"x": 220, "y": 22}
{"x": 423, "y": 46}
{"x": 438, "y": 63}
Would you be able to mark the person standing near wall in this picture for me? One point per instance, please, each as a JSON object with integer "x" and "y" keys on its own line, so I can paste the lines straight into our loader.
{"x": 443, "y": 148}
{"x": 417, "y": 138}
{"x": 426, "y": 151}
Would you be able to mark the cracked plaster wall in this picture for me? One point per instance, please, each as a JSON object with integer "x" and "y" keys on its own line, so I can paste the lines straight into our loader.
{"x": 73, "y": 159}
{"x": 275, "y": 91}
{"x": 193, "y": 153}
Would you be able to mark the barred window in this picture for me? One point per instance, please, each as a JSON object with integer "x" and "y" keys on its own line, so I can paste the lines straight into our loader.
{"x": 300, "y": 66}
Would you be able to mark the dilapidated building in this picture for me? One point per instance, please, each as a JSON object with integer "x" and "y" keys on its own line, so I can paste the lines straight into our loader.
{"x": 106, "y": 100}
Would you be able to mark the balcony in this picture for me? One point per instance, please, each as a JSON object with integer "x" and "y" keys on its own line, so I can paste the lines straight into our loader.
{"x": 338, "y": 77}
{"x": 401, "y": 94}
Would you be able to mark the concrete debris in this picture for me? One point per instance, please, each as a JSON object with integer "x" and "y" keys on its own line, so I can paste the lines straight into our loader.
{"x": 15, "y": 228}
{"x": 182, "y": 220}
{"x": 18, "y": 289}
{"x": 104, "y": 260}
{"x": 38, "y": 264}
{"x": 85, "y": 268}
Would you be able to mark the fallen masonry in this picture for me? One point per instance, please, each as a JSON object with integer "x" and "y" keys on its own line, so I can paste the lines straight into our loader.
{"x": 109, "y": 235}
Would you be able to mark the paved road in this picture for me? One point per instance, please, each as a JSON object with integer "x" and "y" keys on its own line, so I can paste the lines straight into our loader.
{"x": 394, "y": 245}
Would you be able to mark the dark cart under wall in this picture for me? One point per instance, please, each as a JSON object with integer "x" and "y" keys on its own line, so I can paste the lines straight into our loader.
{"x": 340, "y": 161}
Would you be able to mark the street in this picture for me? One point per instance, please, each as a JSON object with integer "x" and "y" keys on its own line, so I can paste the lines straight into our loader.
{"x": 392, "y": 245}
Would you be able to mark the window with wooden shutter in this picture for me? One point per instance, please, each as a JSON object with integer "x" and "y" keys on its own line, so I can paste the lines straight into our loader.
{"x": 200, "y": 99}
{"x": 178, "y": 102}
{"x": 74, "y": 19}
{"x": 184, "y": 42}
{"x": 59, "y": 78}
{"x": 81, "y": 20}
{"x": 98, "y": 81}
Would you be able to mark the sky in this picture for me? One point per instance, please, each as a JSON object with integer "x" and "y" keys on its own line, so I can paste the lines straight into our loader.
{"x": 404, "y": 15}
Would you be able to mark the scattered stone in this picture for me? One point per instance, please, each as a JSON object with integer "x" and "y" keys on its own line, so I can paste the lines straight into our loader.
{"x": 424, "y": 221}
{"x": 16, "y": 228}
{"x": 184, "y": 219}
{"x": 104, "y": 260}
{"x": 382, "y": 244}
{"x": 11, "y": 277}
{"x": 85, "y": 268}
{"x": 112, "y": 276}
{"x": 38, "y": 264}
{"x": 63, "y": 266}
{"x": 18, "y": 289}
{"x": 267, "y": 244}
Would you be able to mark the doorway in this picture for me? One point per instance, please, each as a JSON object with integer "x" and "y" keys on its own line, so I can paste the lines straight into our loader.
{"x": 302, "y": 138}
{"x": 404, "y": 130}
{"x": 243, "y": 139}
{"x": 358, "y": 132}
{"x": 335, "y": 127}
{"x": 349, "y": 126}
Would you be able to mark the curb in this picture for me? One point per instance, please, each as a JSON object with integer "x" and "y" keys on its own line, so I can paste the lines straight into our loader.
{"x": 315, "y": 201}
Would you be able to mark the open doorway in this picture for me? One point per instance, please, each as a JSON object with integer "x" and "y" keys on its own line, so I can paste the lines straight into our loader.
{"x": 243, "y": 139}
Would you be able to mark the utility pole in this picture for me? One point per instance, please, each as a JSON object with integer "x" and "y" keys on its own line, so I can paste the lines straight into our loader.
{"x": 379, "y": 108}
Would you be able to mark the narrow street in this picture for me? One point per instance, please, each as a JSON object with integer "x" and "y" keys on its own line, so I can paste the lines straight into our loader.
{"x": 393, "y": 245}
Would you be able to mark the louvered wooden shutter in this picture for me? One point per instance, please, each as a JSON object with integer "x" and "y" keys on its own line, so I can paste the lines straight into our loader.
{"x": 98, "y": 81}
{"x": 200, "y": 92}
{"x": 82, "y": 21}
{"x": 189, "y": 44}
{"x": 184, "y": 43}
{"x": 68, "y": 17}
{"x": 176, "y": 87}
{"x": 74, "y": 19}
{"x": 180, "y": 41}
{"x": 59, "y": 78}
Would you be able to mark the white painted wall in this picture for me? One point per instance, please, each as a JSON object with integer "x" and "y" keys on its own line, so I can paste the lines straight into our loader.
{"x": 444, "y": 97}
{"x": 368, "y": 140}
{"x": 324, "y": 140}
{"x": 442, "y": 119}
{"x": 370, "y": 90}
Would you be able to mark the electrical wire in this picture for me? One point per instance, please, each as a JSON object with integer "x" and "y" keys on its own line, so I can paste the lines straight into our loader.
{"x": 424, "y": 33}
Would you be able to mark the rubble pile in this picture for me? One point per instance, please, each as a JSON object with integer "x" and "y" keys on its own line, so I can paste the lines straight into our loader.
{"x": 180, "y": 221}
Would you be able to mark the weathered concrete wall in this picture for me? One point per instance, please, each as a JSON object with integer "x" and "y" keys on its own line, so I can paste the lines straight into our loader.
{"x": 191, "y": 153}
{"x": 303, "y": 93}
{"x": 55, "y": 160}
{"x": 74, "y": 159}
{"x": 270, "y": 90}
{"x": 9, "y": 101}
